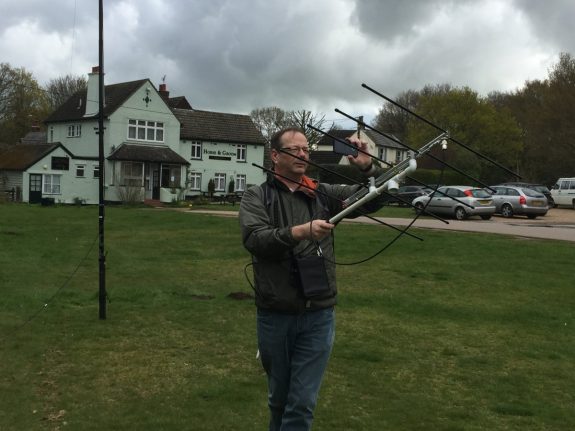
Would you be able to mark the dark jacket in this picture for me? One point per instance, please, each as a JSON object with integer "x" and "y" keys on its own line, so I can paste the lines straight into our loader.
{"x": 268, "y": 238}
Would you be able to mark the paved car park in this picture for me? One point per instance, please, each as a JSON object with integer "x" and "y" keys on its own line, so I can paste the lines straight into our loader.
{"x": 558, "y": 224}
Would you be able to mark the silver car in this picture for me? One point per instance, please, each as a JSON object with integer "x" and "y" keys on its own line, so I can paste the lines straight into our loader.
{"x": 460, "y": 202}
{"x": 513, "y": 200}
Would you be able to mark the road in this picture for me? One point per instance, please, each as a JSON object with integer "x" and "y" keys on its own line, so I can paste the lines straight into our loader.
{"x": 558, "y": 224}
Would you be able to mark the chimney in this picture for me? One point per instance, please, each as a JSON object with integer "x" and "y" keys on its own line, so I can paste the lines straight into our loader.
{"x": 92, "y": 95}
{"x": 360, "y": 125}
{"x": 164, "y": 93}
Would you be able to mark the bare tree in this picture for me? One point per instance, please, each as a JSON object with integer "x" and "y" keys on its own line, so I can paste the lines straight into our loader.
{"x": 60, "y": 89}
{"x": 270, "y": 119}
{"x": 302, "y": 118}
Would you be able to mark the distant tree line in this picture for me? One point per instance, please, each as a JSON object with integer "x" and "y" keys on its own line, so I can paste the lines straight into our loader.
{"x": 24, "y": 103}
{"x": 531, "y": 130}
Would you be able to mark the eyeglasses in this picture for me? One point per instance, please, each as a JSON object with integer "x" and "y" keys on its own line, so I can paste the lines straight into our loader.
{"x": 295, "y": 150}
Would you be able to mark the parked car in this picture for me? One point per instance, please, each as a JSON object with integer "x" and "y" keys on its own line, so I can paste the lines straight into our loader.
{"x": 511, "y": 200}
{"x": 469, "y": 201}
{"x": 564, "y": 192}
{"x": 538, "y": 188}
{"x": 409, "y": 193}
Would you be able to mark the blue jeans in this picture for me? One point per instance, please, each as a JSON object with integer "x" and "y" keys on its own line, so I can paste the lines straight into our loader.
{"x": 294, "y": 352}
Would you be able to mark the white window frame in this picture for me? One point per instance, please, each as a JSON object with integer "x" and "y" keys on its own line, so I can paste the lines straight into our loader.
{"x": 196, "y": 152}
{"x": 219, "y": 182}
{"x": 51, "y": 184}
{"x": 74, "y": 130}
{"x": 383, "y": 154}
{"x": 143, "y": 130}
{"x": 80, "y": 171}
{"x": 240, "y": 183}
{"x": 241, "y": 151}
{"x": 195, "y": 181}
{"x": 96, "y": 171}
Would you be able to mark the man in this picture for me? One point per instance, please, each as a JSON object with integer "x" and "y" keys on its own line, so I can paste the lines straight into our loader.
{"x": 284, "y": 226}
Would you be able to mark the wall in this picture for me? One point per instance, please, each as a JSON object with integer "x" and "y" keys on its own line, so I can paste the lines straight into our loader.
{"x": 10, "y": 180}
{"x": 218, "y": 157}
{"x": 71, "y": 186}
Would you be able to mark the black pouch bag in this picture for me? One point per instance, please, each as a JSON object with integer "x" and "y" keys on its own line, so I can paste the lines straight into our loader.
{"x": 312, "y": 276}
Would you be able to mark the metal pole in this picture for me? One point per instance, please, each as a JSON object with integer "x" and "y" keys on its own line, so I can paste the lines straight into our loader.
{"x": 101, "y": 254}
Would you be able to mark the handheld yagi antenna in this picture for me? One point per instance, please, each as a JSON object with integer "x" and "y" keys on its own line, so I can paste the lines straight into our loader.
{"x": 426, "y": 121}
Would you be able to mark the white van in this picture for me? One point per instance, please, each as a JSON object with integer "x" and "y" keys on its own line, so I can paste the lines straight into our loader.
{"x": 564, "y": 192}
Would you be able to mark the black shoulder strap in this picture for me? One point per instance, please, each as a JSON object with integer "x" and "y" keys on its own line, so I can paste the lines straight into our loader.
{"x": 270, "y": 202}
{"x": 322, "y": 198}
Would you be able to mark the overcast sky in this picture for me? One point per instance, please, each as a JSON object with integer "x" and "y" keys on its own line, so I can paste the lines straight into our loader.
{"x": 237, "y": 55}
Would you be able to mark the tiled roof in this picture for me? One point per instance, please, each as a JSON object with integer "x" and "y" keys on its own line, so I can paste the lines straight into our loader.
{"x": 218, "y": 127}
{"x": 179, "y": 102}
{"x": 115, "y": 95}
{"x": 338, "y": 133}
{"x": 381, "y": 140}
{"x": 34, "y": 137}
{"x": 200, "y": 125}
{"x": 20, "y": 157}
{"x": 147, "y": 153}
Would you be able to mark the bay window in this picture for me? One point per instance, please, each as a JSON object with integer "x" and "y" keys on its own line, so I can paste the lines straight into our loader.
{"x": 132, "y": 174}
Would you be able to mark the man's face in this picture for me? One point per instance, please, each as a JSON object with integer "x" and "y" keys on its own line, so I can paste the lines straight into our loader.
{"x": 293, "y": 143}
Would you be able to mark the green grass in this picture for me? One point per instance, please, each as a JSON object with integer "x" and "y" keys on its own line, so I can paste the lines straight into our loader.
{"x": 459, "y": 332}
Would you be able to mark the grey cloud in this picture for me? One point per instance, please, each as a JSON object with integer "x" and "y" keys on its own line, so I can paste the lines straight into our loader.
{"x": 552, "y": 21}
{"x": 236, "y": 55}
{"x": 395, "y": 19}
{"x": 50, "y": 16}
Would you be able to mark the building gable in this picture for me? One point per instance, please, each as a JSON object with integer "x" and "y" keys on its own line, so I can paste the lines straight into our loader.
{"x": 115, "y": 96}
{"x": 21, "y": 157}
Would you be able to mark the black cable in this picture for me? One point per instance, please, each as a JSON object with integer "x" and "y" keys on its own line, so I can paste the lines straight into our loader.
{"x": 51, "y": 298}
{"x": 402, "y": 232}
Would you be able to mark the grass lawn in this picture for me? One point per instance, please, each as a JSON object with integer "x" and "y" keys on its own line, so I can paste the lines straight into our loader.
{"x": 459, "y": 332}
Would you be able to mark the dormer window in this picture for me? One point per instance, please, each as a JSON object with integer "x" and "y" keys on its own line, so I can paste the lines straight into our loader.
{"x": 141, "y": 130}
{"x": 74, "y": 130}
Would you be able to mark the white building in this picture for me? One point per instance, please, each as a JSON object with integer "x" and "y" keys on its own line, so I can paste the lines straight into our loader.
{"x": 155, "y": 147}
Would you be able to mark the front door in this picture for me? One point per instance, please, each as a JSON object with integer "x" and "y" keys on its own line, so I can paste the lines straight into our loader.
{"x": 156, "y": 183}
{"x": 35, "y": 189}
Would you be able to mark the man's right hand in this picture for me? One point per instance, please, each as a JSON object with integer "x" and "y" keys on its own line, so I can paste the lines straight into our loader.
{"x": 314, "y": 230}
